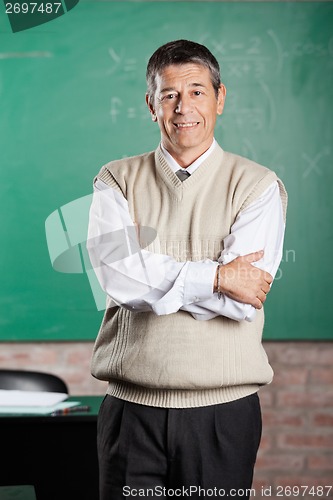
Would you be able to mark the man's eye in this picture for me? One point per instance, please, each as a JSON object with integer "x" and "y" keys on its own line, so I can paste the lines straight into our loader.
{"x": 197, "y": 92}
{"x": 170, "y": 96}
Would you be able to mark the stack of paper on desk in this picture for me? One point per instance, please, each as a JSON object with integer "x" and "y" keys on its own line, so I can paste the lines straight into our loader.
{"x": 27, "y": 402}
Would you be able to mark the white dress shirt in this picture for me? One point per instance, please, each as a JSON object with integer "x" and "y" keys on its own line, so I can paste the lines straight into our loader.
{"x": 144, "y": 281}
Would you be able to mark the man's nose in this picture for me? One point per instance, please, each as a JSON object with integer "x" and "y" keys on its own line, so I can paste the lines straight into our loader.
{"x": 184, "y": 105}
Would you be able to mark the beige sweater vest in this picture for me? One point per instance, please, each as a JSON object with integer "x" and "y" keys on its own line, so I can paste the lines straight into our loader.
{"x": 174, "y": 360}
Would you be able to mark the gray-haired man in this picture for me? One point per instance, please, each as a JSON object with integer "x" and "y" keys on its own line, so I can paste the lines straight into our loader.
{"x": 180, "y": 342}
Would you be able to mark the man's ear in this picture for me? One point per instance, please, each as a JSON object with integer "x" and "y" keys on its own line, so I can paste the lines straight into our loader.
{"x": 151, "y": 108}
{"x": 221, "y": 98}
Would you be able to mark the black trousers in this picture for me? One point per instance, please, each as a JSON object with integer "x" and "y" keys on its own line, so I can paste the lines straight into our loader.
{"x": 152, "y": 453}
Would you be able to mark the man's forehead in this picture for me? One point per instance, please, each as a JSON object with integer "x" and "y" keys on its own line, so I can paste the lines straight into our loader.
{"x": 192, "y": 73}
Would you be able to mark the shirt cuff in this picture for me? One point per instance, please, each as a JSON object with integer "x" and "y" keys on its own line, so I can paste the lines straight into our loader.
{"x": 251, "y": 314}
{"x": 199, "y": 281}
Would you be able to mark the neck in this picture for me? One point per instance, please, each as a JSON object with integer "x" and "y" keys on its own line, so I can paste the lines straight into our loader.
{"x": 187, "y": 157}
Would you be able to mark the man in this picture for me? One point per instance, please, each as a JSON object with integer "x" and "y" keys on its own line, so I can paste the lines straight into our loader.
{"x": 180, "y": 342}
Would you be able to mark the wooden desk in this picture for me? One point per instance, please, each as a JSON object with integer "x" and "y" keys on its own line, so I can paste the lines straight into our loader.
{"x": 57, "y": 455}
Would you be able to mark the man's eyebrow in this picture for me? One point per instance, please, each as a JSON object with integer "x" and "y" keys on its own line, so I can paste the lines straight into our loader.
{"x": 168, "y": 89}
{"x": 197, "y": 85}
{"x": 172, "y": 89}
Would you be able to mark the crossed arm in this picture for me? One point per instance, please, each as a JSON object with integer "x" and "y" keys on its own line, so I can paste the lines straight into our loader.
{"x": 240, "y": 281}
{"x": 143, "y": 281}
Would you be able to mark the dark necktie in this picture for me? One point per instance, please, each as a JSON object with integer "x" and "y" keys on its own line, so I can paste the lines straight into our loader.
{"x": 182, "y": 174}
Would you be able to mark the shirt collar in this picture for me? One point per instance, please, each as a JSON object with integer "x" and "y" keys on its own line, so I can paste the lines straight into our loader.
{"x": 191, "y": 168}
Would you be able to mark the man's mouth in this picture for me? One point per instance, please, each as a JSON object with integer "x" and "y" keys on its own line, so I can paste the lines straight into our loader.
{"x": 186, "y": 125}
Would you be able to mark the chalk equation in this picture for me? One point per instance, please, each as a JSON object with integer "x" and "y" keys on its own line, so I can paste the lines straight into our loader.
{"x": 119, "y": 108}
{"x": 252, "y": 68}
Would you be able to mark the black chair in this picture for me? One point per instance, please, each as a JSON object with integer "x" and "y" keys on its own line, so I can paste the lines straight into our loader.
{"x": 21, "y": 380}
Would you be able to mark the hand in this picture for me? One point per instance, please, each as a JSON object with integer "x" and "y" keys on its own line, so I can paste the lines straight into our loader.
{"x": 242, "y": 281}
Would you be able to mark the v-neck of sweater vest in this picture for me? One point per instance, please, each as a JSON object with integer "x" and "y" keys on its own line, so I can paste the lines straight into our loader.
{"x": 174, "y": 183}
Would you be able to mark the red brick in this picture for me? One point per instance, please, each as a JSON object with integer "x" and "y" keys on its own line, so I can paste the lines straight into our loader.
{"x": 266, "y": 443}
{"x": 323, "y": 419}
{"x": 5, "y": 348}
{"x": 273, "y": 418}
{"x": 280, "y": 462}
{"x": 301, "y": 441}
{"x": 259, "y": 482}
{"x": 46, "y": 356}
{"x": 266, "y": 395}
{"x": 304, "y": 353}
{"x": 321, "y": 462}
{"x": 3, "y": 357}
{"x": 292, "y": 376}
{"x": 78, "y": 355}
{"x": 32, "y": 356}
{"x": 305, "y": 399}
{"x": 22, "y": 357}
{"x": 321, "y": 376}
{"x": 73, "y": 377}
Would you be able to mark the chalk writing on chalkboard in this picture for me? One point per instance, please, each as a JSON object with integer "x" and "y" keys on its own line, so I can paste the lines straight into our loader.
{"x": 312, "y": 163}
{"x": 239, "y": 59}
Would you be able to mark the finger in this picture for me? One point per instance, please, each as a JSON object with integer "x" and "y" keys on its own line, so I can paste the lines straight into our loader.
{"x": 268, "y": 278}
{"x": 265, "y": 287}
{"x": 253, "y": 257}
{"x": 261, "y": 296}
{"x": 257, "y": 304}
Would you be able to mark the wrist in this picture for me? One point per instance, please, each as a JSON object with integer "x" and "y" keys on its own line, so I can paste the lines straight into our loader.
{"x": 218, "y": 282}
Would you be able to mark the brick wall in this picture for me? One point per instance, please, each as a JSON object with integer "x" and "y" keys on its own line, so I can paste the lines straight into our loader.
{"x": 297, "y": 442}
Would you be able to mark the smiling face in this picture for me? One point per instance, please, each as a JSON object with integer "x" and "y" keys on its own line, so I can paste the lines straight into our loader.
{"x": 185, "y": 107}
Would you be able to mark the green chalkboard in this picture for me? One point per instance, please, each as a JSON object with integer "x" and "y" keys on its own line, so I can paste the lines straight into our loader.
{"x": 72, "y": 98}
